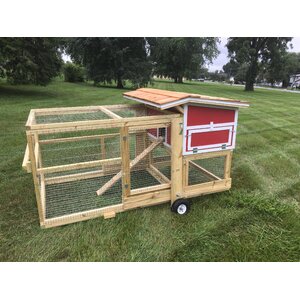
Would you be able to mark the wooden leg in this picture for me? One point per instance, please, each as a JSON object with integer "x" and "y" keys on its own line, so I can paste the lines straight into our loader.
{"x": 227, "y": 165}
{"x": 30, "y": 142}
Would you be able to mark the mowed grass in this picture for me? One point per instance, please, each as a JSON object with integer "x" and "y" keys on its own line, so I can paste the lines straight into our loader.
{"x": 258, "y": 220}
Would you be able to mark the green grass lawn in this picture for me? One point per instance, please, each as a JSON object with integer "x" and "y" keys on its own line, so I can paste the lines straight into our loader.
{"x": 257, "y": 220}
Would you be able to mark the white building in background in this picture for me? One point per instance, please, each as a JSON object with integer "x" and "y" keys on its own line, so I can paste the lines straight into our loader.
{"x": 295, "y": 80}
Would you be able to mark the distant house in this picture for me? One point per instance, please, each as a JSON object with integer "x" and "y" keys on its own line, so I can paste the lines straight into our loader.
{"x": 295, "y": 80}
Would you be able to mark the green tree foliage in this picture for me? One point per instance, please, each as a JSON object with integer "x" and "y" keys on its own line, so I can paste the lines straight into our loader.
{"x": 181, "y": 57}
{"x": 251, "y": 50}
{"x": 73, "y": 72}
{"x": 30, "y": 60}
{"x": 281, "y": 68}
{"x": 238, "y": 71}
{"x": 217, "y": 76}
{"x": 231, "y": 68}
{"x": 112, "y": 59}
{"x": 241, "y": 73}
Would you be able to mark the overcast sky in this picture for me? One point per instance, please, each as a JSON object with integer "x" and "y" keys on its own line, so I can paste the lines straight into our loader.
{"x": 222, "y": 59}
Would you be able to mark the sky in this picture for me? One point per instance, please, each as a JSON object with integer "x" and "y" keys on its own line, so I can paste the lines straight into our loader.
{"x": 222, "y": 59}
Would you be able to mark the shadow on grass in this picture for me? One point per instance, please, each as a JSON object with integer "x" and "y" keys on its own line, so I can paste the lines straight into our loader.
{"x": 18, "y": 90}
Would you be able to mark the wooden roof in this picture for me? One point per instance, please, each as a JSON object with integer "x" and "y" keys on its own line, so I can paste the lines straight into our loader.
{"x": 166, "y": 99}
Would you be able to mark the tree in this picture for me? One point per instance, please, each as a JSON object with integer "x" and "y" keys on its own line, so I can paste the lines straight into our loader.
{"x": 231, "y": 68}
{"x": 282, "y": 68}
{"x": 30, "y": 60}
{"x": 251, "y": 50}
{"x": 241, "y": 73}
{"x": 73, "y": 72}
{"x": 181, "y": 57}
{"x": 112, "y": 59}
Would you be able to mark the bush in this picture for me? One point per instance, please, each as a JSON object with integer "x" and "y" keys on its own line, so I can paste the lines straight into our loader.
{"x": 73, "y": 73}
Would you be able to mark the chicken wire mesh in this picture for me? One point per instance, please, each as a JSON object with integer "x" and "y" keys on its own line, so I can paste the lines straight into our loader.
{"x": 204, "y": 170}
{"x": 80, "y": 150}
{"x": 130, "y": 111}
{"x": 71, "y": 117}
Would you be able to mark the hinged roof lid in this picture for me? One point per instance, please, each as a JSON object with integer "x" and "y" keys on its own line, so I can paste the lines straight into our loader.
{"x": 166, "y": 99}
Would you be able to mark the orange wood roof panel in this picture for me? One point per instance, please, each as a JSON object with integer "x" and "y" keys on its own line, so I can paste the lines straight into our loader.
{"x": 162, "y": 97}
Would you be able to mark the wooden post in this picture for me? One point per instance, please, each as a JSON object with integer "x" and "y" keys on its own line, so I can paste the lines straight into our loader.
{"x": 176, "y": 160}
{"x": 37, "y": 150}
{"x": 125, "y": 154}
{"x": 30, "y": 142}
{"x": 227, "y": 165}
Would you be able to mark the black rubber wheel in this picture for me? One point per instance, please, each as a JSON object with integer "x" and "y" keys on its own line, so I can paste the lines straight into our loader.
{"x": 181, "y": 206}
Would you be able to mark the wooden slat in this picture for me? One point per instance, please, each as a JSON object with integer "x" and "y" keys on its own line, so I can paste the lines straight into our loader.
{"x": 118, "y": 176}
{"x": 204, "y": 171}
{"x": 81, "y": 165}
{"x": 147, "y": 199}
{"x": 82, "y": 216}
{"x": 110, "y": 113}
{"x": 31, "y": 118}
{"x": 135, "y": 125}
{"x": 43, "y": 194}
{"x": 158, "y": 175}
{"x": 207, "y": 155}
{"x": 109, "y": 215}
{"x": 207, "y": 188}
{"x": 149, "y": 189}
{"x": 110, "y": 123}
{"x": 79, "y": 138}
{"x": 74, "y": 177}
{"x": 36, "y": 152}
{"x": 26, "y": 165}
{"x": 180, "y": 109}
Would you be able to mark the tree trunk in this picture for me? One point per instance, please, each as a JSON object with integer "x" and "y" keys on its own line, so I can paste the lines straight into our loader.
{"x": 120, "y": 83}
{"x": 285, "y": 83}
{"x": 251, "y": 75}
{"x": 180, "y": 80}
{"x": 175, "y": 79}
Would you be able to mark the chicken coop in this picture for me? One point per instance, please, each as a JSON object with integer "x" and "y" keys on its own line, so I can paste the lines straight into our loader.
{"x": 96, "y": 161}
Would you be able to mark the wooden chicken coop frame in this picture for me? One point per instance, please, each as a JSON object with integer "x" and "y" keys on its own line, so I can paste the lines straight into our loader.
{"x": 128, "y": 152}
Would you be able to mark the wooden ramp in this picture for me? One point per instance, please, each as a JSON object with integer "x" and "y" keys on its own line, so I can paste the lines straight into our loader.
{"x": 135, "y": 161}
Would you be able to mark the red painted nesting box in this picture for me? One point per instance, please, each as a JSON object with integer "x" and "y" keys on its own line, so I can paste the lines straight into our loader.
{"x": 210, "y": 123}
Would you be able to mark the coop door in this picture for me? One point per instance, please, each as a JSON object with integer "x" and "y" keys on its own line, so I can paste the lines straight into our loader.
{"x": 208, "y": 129}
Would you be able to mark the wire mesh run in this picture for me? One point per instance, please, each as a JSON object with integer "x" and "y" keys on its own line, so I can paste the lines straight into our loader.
{"x": 71, "y": 117}
{"x": 74, "y": 190}
{"x": 69, "y": 191}
{"x": 79, "y": 196}
{"x": 153, "y": 159}
{"x": 206, "y": 170}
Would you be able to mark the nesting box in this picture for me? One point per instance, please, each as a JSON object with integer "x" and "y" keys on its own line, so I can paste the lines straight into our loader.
{"x": 96, "y": 161}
